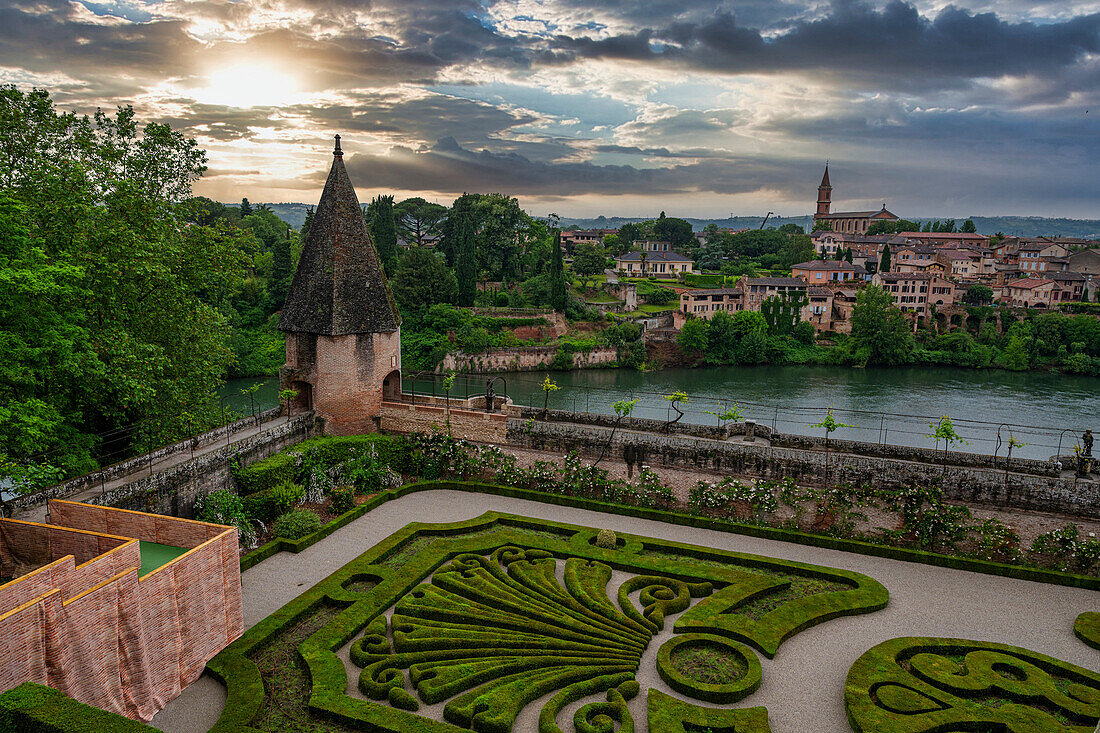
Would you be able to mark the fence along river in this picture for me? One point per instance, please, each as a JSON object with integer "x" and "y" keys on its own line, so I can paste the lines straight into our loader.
{"x": 881, "y": 405}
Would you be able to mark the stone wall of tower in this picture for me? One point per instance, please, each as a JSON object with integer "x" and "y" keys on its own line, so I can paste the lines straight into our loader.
{"x": 347, "y": 378}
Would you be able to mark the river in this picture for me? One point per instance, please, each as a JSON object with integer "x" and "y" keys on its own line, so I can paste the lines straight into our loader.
{"x": 891, "y": 405}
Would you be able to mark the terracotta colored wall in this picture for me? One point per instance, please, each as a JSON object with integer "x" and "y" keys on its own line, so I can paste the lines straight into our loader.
{"x": 347, "y": 379}
{"x": 102, "y": 635}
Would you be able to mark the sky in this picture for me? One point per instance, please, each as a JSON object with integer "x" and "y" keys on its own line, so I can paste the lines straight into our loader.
{"x": 616, "y": 107}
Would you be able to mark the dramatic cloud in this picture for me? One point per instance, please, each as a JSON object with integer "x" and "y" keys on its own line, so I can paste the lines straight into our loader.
{"x": 989, "y": 105}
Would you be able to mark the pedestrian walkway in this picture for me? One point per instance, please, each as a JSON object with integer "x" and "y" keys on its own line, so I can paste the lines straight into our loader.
{"x": 38, "y": 513}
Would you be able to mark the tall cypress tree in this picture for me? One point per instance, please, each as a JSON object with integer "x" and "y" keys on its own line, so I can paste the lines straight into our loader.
{"x": 383, "y": 230}
{"x": 884, "y": 260}
{"x": 280, "y": 271}
{"x": 304, "y": 232}
{"x": 557, "y": 276}
{"x": 246, "y": 208}
{"x": 465, "y": 253}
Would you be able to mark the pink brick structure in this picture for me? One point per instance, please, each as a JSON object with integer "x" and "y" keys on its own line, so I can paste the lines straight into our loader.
{"x": 80, "y": 619}
{"x": 343, "y": 331}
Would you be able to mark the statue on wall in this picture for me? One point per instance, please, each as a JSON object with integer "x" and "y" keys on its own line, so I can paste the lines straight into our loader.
{"x": 1086, "y": 441}
{"x": 490, "y": 396}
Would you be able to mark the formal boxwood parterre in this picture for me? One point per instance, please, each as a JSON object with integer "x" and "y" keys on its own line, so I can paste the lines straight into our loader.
{"x": 926, "y": 685}
{"x": 487, "y": 616}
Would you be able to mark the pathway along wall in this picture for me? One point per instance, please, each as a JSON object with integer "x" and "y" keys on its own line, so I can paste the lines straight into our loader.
{"x": 969, "y": 483}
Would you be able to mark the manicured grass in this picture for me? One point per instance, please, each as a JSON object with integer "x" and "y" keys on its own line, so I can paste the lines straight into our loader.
{"x": 155, "y": 555}
{"x": 708, "y": 663}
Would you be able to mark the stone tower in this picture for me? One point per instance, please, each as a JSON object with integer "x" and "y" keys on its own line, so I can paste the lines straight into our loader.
{"x": 824, "y": 194}
{"x": 343, "y": 330}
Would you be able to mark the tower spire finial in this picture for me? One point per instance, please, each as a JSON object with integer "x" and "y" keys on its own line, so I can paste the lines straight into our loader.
{"x": 338, "y": 152}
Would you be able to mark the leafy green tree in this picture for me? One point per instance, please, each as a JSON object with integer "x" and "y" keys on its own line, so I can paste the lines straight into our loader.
{"x": 821, "y": 225}
{"x": 246, "y": 208}
{"x": 791, "y": 228}
{"x": 693, "y": 336}
{"x": 675, "y": 400}
{"x": 968, "y": 227}
{"x": 423, "y": 280}
{"x": 558, "y": 297}
{"x": 628, "y": 234}
{"x": 978, "y": 295}
{"x": 281, "y": 271}
{"x": 418, "y": 219}
{"x": 304, "y": 232}
{"x": 1019, "y": 347}
{"x": 383, "y": 230}
{"x": 721, "y": 339}
{"x": 110, "y": 316}
{"x": 677, "y": 232}
{"x": 589, "y": 260}
{"x": 880, "y": 332}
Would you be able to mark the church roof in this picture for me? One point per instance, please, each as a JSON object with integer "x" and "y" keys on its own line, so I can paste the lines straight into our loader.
{"x": 340, "y": 287}
{"x": 825, "y": 178}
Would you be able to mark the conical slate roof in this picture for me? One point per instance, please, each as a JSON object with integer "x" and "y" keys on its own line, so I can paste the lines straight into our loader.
{"x": 825, "y": 178}
{"x": 340, "y": 287}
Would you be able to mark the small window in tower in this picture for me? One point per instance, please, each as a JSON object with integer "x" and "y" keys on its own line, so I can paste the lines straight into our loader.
{"x": 393, "y": 361}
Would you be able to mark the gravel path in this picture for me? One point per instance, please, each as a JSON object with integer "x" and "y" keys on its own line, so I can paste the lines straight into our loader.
{"x": 803, "y": 686}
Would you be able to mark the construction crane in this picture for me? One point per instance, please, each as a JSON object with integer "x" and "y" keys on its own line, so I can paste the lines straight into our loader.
{"x": 766, "y": 219}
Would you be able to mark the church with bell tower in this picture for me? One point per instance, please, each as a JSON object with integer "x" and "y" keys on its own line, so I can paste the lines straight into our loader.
{"x": 342, "y": 326}
{"x": 847, "y": 222}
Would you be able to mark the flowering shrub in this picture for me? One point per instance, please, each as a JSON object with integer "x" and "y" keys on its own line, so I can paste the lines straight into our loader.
{"x": 760, "y": 495}
{"x": 1067, "y": 550}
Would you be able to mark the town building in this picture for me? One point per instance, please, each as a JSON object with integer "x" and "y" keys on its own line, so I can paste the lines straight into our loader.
{"x": 343, "y": 330}
{"x": 570, "y": 238}
{"x": 1039, "y": 256}
{"x": 658, "y": 263}
{"x": 705, "y": 303}
{"x": 115, "y": 608}
{"x": 946, "y": 239}
{"x": 914, "y": 292}
{"x": 850, "y": 222}
{"x": 758, "y": 289}
{"x": 1086, "y": 262}
{"x": 1036, "y": 292}
{"x": 822, "y": 272}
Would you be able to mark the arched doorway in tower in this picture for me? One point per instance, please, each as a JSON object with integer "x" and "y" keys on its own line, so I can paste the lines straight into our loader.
{"x": 391, "y": 386}
{"x": 303, "y": 401}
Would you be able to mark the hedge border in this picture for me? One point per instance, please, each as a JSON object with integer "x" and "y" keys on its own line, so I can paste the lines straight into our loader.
{"x": 880, "y": 667}
{"x": 328, "y": 676}
{"x": 1086, "y": 627}
{"x": 35, "y": 708}
{"x": 739, "y": 689}
{"x": 669, "y": 715}
{"x": 904, "y": 554}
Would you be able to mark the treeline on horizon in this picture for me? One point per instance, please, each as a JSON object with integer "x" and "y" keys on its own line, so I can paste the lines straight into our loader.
{"x": 1019, "y": 226}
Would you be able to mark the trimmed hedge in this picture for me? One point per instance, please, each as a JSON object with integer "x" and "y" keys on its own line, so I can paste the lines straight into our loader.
{"x": 291, "y": 464}
{"x": 669, "y": 715}
{"x": 923, "y": 684}
{"x": 530, "y": 631}
{"x": 746, "y": 683}
{"x": 34, "y": 708}
{"x": 1086, "y": 627}
{"x": 1038, "y": 575}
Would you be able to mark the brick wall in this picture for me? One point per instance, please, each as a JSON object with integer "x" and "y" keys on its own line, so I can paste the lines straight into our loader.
{"x": 476, "y": 425}
{"x": 104, "y": 636}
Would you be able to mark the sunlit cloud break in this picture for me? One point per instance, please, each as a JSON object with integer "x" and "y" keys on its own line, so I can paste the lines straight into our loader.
{"x": 980, "y": 107}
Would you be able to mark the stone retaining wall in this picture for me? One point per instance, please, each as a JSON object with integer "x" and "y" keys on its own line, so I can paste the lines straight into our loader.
{"x": 523, "y": 358}
{"x": 972, "y": 484}
{"x": 173, "y": 491}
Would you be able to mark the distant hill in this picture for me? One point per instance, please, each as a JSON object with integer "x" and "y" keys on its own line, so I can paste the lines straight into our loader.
{"x": 294, "y": 214}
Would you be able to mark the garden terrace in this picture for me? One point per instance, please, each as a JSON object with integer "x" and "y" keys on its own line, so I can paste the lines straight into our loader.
{"x": 801, "y": 689}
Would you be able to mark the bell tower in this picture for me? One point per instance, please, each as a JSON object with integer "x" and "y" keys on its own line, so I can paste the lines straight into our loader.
{"x": 343, "y": 329}
{"x": 824, "y": 195}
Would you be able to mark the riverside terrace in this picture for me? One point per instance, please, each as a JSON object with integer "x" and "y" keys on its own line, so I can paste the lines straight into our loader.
{"x": 115, "y": 608}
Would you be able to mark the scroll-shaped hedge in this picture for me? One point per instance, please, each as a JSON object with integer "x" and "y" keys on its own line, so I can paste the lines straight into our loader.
{"x": 921, "y": 685}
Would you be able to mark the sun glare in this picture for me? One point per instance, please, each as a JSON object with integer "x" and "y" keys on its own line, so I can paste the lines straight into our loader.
{"x": 248, "y": 85}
